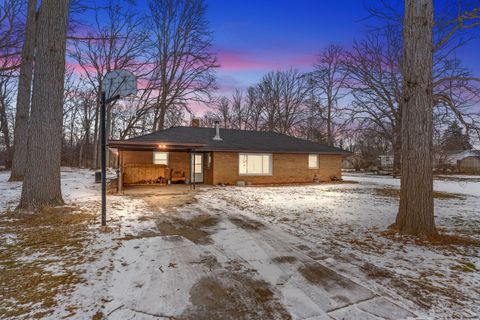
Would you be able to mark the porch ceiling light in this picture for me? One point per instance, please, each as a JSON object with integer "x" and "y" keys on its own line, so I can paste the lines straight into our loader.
{"x": 162, "y": 146}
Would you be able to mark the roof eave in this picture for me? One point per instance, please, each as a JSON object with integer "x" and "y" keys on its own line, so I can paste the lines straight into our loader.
{"x": 217, "y": 149}
{"x": 151, "y": 144}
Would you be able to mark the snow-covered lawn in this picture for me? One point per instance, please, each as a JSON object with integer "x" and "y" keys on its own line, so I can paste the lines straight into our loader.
{"x": 344, "y": 224}
{"x": 301, "y": 252}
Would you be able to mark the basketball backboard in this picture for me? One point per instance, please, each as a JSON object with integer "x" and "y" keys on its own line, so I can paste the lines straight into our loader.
{"x": 119, "y": 83}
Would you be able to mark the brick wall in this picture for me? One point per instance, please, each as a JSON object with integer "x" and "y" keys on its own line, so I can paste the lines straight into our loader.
{"x": 287, "y": 168}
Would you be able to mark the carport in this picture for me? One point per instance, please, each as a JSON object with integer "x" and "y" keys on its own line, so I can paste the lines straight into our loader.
{"x": 154, "y": 164}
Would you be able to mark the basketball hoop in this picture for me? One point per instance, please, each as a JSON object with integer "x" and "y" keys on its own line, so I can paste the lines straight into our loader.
{"x": 116, "y": 84}
{"x": 119, "y": 83}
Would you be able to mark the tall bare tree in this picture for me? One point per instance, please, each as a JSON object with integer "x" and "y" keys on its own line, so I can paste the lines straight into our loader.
{"x": 283, "y": 97}
{"x": 23, "y": 95}
{"x": 375, "y": 83}
{"x": 421, "y": 91}
{"x": 253, "y": 109}
{"x": 117, "y": 41}
{"x": 11, "y": 32}
{"x": 223, "y": 112}
{"x": 415, "y": 215}
{"x": 184, "y": 63}
{"x": 41, "y": 185}
{"x": 329, "y": 79}
{"x": 238, "y": 110}
{"x": 10, "y": 42}
{"x": 7, "y": 94}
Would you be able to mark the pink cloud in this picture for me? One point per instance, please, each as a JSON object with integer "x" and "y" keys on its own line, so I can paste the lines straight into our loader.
{"x": 233, "y": 61}
{"x": 77, "y": 68}
{"x": 247, "y": 61}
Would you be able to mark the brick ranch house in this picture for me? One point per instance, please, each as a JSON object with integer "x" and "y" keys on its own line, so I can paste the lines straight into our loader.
{"x": 224, "y": 156}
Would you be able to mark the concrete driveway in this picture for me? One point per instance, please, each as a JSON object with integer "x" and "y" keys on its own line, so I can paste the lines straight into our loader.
{"x": 208, "y": 263}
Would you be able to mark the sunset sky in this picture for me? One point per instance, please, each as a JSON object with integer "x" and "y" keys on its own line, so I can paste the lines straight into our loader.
{"x": 254, "y": 37}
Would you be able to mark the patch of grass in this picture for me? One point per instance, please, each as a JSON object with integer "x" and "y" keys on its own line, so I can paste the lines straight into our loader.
{"x": 425, "y": 293}
{"x": 42, "y": 260}
{"x": 98, "y": 316}
{"x": 395, "y": 193}
{"x": 449, "y": 240}
{"x": 440, "y": 240}
{"x": 373, "y": 271}
{"x": 193, "y": 229}
{"x": 465, "y": 267}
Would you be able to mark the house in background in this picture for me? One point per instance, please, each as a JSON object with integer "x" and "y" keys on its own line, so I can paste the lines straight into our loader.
{"x": 467, "y": 161}
{"x": 386, "y": 161}
{"x": 470, "y": 164}
{"x": 224, "y": 156}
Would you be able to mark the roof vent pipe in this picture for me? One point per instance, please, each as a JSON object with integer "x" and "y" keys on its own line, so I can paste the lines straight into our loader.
{"x": 217, "y": 132}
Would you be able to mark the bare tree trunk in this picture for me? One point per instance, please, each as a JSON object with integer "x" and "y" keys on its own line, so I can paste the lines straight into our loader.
{"x": 397, "y": 144}
{"x": 397, "y": 155}
{"x": 329, "y": 125}
{"x": 41, "y": 186}
{"x": 415, "y": 214}
{"x": 20, "y": 132}
{"x": 161, "y": 119}
{"x": 5, "y": 131}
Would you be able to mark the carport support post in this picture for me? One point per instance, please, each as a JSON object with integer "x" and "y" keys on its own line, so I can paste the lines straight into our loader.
{"x": 103, "y": 139}
{"x": 192, "y": 167}
{"x": 120, "y": 172}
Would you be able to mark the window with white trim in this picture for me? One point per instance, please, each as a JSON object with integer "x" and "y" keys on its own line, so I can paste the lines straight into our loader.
{"x": 255, "y": 164}
{"x": 160, "y": 158}
{"x": 313, "y": 161}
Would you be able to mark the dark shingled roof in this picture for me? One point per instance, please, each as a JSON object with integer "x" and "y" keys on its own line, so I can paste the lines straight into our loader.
{"x": 234, "y": 140}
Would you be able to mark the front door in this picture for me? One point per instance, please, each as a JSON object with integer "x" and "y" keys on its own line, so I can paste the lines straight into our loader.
{"x": 197, "y": 168}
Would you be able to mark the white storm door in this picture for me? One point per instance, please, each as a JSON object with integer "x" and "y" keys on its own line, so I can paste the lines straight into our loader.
{"x": 197, "y": 168}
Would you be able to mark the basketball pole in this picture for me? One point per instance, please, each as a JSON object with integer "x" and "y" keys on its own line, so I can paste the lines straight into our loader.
{"x": 103, "y": 140}
{"x": 124, "y": 84}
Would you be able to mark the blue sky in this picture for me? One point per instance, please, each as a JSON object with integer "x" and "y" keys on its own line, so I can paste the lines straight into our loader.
{"x": 252, "y": 37}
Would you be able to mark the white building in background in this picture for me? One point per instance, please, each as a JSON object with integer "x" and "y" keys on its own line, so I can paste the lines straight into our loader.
{"x": 386, "y": 161}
